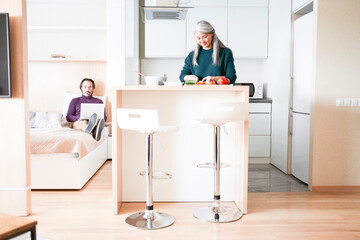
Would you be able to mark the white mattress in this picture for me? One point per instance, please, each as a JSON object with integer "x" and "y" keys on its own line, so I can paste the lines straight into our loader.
{"x": 62, "y": 142}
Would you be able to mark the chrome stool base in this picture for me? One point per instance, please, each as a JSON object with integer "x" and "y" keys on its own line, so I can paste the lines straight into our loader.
{"x": 217, "y": 214}
{"x": 149, "y": 220}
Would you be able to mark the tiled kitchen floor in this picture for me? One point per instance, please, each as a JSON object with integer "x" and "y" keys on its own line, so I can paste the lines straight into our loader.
{"x": 267, "y": 178}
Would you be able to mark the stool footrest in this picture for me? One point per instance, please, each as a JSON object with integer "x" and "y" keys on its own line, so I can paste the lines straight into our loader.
{"x": 212, "y": 165}
{"x": 158, "y": 175}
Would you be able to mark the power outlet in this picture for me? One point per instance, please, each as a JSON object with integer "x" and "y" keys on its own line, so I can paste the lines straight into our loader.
{"x": 348, "y": 102}
{"x": 354, "y": 102}
{"x": 339, "y": 102}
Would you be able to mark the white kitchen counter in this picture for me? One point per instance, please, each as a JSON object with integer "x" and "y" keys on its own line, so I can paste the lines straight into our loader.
{"x": 179, "y": 152}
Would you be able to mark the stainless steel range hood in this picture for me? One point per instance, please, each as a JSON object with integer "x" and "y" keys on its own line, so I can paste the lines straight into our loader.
{"x": 150, "y": 13}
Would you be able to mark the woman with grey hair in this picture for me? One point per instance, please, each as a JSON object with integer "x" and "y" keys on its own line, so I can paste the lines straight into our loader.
{"x": 211, "y": 59}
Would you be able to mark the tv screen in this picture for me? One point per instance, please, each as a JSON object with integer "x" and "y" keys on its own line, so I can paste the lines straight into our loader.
{"x": 5, "y": 80}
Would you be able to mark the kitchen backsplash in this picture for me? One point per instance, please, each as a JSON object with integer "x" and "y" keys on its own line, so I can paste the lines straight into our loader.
{"x": 246, "y": 70}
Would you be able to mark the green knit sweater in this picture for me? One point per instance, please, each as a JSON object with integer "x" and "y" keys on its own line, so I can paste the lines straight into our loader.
{"x": 205, "y": 67}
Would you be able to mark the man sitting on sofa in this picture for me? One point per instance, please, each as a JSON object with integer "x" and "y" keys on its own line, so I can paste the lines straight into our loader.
{"x": 94, "y": 125}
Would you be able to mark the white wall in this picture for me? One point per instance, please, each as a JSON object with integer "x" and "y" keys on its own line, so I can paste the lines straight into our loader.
{"x": 48, "y": 81}
{"x": 276, "y": 72}
{"x": 132, "y": 42}
{"x": 115, "y": 42}
{"x": 336, "y": 131}
{"x": 157, "y": 67}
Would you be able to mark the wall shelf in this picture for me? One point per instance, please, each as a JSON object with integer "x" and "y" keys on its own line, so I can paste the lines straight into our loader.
{"x": 66, "y": 28}
{"x": 67, "y": 60}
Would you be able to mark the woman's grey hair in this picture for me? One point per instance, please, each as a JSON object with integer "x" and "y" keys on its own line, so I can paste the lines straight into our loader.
{"x": 205, "y": 27}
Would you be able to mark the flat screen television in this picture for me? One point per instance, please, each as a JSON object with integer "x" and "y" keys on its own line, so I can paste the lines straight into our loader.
{"x": 5, "y": 78}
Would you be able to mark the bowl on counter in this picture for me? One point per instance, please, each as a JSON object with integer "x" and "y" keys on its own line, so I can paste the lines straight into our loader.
{"x": 154, "y": 80}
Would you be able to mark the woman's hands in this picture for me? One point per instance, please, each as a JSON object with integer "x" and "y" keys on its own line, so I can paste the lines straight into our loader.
{"x": 212, "y": 78}
{"x": 209, "y": 79}
{"x": 221, "y": 80}
{"x": 191, "y": 77}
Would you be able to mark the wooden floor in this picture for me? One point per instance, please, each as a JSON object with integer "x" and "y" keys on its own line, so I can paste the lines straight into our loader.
{"x": 87, "y": 214}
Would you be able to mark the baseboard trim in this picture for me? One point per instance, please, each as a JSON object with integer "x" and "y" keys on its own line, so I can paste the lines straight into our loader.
{"x": 259, "y": 160}
{"x": 336, "y": 188}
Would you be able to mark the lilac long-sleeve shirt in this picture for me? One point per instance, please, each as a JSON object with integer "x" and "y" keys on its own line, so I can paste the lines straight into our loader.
{"x": 73, "y": 113}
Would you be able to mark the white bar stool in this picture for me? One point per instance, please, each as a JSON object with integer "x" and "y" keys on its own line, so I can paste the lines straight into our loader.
{"x": 218, "y": 114}
{"x": 146, "y": 121}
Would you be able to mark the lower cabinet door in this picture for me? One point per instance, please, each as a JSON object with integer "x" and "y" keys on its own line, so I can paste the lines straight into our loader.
{"x": 259, "y": 124}
{"x": 259, "y": 146}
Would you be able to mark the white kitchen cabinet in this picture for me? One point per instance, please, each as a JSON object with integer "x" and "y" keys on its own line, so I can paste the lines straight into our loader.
{"x": 165, "y": 39}
{"x": 259, "y": 107}
{"x": 248, "y": 29}
{"x": 259, "y": 130}
{"x": 217, "y": 16}
{"x": 248, "y": 3}
{"x": 259, "y": 146}
{"x": 206, "y": 3}
{"x": 242, "y": 25}
{"x": 260, "y": 124}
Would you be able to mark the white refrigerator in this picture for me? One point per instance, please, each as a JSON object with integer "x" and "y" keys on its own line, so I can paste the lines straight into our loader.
{"x": 302, "y": 81}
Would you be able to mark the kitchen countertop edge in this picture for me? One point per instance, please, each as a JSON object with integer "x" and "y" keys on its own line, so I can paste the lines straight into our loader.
{"x": 263, "y": 100}
{"x": 181, "y": 88}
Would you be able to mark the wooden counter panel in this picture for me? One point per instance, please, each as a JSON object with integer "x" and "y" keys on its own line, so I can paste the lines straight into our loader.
{"x": 178, "y": 153}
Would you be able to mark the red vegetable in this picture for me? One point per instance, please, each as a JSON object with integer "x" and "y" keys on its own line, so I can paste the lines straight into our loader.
{"x": 223, "y": 81}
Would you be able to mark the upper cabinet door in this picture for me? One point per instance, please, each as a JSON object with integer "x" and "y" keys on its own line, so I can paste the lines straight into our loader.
{"x": 241, "y": 25}
{"x": 248, "y": 28}
{"x": 248, "y": 3}
{"x": 216, "y": 16}
{"x": 165, "y": 39}
{"x": 204, "y": 3}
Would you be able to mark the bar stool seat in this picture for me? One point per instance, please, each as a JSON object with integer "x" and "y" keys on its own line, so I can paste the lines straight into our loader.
{"x": 217, "y": 115}
{"x": 146, "y": 121}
